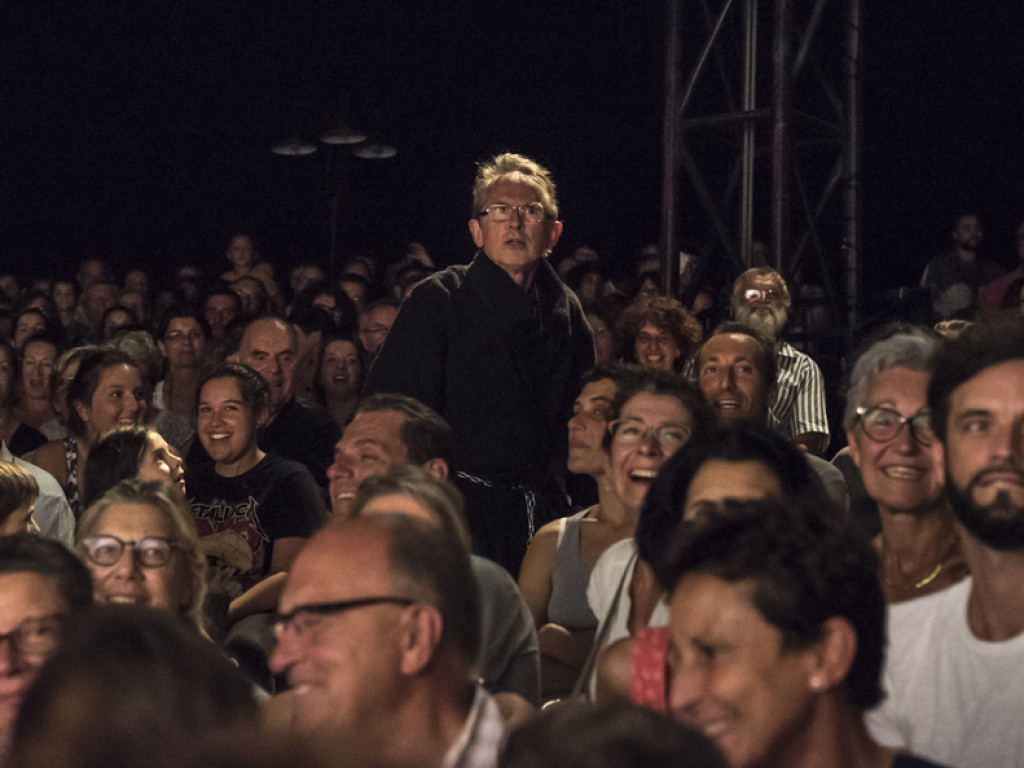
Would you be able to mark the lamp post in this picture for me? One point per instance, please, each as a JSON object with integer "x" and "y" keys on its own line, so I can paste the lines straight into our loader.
{"x": 339, "y": 140}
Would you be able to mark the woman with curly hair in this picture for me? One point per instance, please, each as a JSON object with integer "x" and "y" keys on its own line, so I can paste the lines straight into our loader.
{"x": 658, "y": 333}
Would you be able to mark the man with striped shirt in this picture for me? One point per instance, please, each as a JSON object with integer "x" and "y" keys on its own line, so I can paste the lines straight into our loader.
{"x": 761, "y": 299}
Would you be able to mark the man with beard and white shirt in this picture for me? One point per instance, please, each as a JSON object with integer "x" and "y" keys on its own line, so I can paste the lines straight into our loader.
{"x": 760, "y": 299}
{"x": 954, "y": 668}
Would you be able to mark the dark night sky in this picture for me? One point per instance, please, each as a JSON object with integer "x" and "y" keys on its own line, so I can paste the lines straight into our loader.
{"x": 141, "y": 131}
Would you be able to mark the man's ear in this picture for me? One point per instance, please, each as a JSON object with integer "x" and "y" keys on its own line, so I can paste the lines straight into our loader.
{"x": 477, "y": 232}
{"x": 830, "y": 658}
{"x": 422, "y": 628}
{"x": 556, "y": 232}
{"x": 438, "y": 468}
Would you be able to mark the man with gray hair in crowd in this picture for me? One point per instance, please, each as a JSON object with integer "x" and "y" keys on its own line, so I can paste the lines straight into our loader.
{"x": 760, "y": 298}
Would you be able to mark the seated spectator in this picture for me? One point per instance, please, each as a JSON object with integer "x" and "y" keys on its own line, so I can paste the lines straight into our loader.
{"x": 956, "y": 275}
{"x": 163, "y": 568}
{"x": 603, "y": 316}
{"x": 374, "y": 323}
{"x": 587, "y": 280}
{"x": 20, "y": 437}
{"x": 357, "y": 287}
{"x": 28, "y": 323}
{"x": 253, "y": 296}
{"x": 335, "y": 301}
{"x": 117, "y": 318}
{"x": 618, "y": 734}
{"x": 18, "y": 494}
{"x": 312, "y": 326}
{"x": 41, "y": 583}
{"x": 107, "y": 390}
{"x": 557, "y": 566}
{"x": 65, "y": 299}
{"x": 222, "y": 307}
{"x": 888, "y": 427}
{"x": 788, "y": 601}
{"x": 253, "y": 510}
{"x": 397, "y": 594}
{"x": 87, "y": 325}
{"x": 181, "y": 337}
{"x": 740, "y": 462}
{"x": 508, "y": 659}
{"x": 64, "y": 370}
{"x": 38, "y": 357}
{"x": 340, "y": 378}
{"x": 130, "y": 451}
{"x": 133, "y": 688}
{"x": 138, "y": 304}
{"x": 41, "y": 300}
{"x": 737, "y": 374}
{"x": 244, "y": 256}
{"x": 303, "y": 274}
{"x": 658, "y": 333}
{"x": 651, "y": 418}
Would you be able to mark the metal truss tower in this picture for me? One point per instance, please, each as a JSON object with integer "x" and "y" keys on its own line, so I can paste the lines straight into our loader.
{"x": 761, "y": 147}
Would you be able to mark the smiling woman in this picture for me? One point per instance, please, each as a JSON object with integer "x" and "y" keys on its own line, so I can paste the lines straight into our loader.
{"x": 141, "y": 548}
{"x": 253, "y": 510}
{"x": 659, "y": 332}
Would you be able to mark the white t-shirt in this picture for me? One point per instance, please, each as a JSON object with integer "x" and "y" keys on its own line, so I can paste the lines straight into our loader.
{"x": 952, "y": 698}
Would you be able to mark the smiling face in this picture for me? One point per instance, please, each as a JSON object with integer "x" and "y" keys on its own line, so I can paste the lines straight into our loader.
{"x": 227, "y": 424}
{"x": 341, "y": 373}
{"x": 161, "y": 462}
{"x": 370, "y": 446}
{"x": 515, "y": 245}
{"x": 901, "y": 474}
{"x": 587, "y": 427}
{"x": 634, "y": 465}
{"x": 730, "y": 380}
{"x": 119, "y": 399}
{"x": 126, "y": 582}
{"x": 655, "y": 348}
{"x": 343, "y": 667}
{"x": 32, "y": 603}
{"x": 732, "y": 678}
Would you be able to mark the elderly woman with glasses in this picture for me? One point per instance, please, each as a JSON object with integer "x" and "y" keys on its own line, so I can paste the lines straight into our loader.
{"x": 889, "y": 431}
{"x": 140, "y": 546}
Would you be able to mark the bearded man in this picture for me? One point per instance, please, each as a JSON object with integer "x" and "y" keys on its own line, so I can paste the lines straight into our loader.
{"x": 761, "y": 300}
{"x": 953, "y": 656}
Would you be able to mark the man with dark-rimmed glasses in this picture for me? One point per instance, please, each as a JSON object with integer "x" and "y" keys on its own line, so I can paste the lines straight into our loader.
{"x": 377, "y": 635}
{"x": 497, "y": 348}
{"x": 41, "y": 583}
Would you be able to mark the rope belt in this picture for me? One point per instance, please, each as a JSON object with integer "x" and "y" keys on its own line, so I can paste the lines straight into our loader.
{"x": 529, "y": 496}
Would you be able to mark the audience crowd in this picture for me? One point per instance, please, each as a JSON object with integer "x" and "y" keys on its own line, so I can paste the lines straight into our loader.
{"x": 510, "y": 512}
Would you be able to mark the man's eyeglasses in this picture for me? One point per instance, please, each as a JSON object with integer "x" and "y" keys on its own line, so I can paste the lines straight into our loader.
{"x": 34, "y": 637}
{"x": 630, "y": 430}
{"x": 533, "y": 213}
{"x": 303, "y": 617}
{"x": 883, "y": 424}
{"x": 180, "y": 337}
{"x": 768, "y": 294}
{"x": 149, "y": 551}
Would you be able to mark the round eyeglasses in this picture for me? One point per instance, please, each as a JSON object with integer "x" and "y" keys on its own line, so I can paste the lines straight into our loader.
{"x": 670, "y": 437}
{"x": 883, "y": 424}
{"x": 533, "y": 213}
{"x": 149, "y": 551}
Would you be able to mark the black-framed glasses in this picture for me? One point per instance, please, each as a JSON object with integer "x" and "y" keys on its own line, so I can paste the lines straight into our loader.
{"x": 632, "y": 430}
{"x": 883, "y": 424}
{"x": 534, "y": 212}
{"x": 36, "y": 636}
{"x": 149, "y": 551}
{"x": 303, "y": 617}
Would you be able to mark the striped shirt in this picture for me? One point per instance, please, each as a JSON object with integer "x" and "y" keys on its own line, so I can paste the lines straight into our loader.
{"x": 800, "y": 405}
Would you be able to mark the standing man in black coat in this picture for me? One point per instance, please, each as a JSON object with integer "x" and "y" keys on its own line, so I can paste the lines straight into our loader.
{"x": 497, "y": 347}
